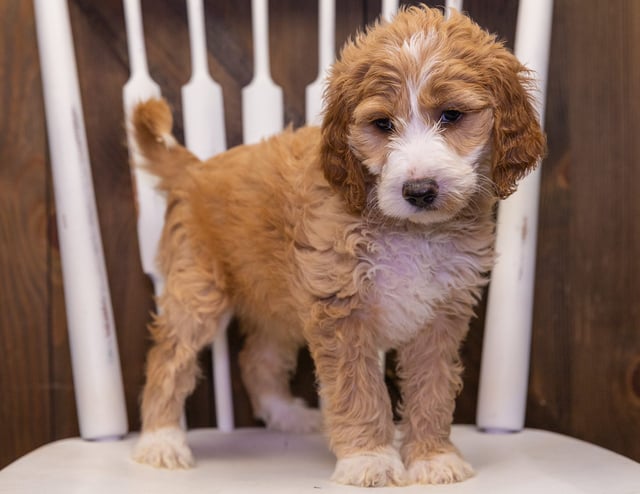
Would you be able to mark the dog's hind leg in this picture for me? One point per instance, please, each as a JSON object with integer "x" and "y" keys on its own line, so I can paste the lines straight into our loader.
{"x": 192, "y": 309}
{"x": 179, "y": 332}
{"x": 267, "y": 364}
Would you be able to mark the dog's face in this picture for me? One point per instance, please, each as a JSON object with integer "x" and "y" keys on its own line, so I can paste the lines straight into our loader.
{"x": 422, "y": 114}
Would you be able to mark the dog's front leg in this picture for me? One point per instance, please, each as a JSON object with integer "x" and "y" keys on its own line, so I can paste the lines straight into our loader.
{"x": 429, "y": 371}
{"x": 356, "y": 405}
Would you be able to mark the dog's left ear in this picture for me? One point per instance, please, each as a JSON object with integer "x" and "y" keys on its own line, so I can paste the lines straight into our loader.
{"x": 519, "y": 142}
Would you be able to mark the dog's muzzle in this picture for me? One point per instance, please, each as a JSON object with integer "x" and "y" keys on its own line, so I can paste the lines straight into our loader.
{"x": 420, "y": 193}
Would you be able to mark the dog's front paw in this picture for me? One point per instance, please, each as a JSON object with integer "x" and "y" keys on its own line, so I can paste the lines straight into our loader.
{"x": 164, "y": 448}
{"x": 371, "y": 469}
{"x": 444, "y": 468}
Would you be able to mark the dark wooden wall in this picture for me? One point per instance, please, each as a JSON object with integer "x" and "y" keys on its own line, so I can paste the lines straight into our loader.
{"x": 585, "y": 369}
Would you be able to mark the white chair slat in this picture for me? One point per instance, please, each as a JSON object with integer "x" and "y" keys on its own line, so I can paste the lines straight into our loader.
{"x": 94, "y": 350}
{"x": 205, "y": 136}
{"x": 507, "y": 337}
{"x": 326, "y": 56}
{"x": 262, "y": 99}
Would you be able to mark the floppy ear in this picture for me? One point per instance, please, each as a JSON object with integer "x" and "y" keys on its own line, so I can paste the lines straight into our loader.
{"x": 342, "y": 169}
{"x": 519, "y": 142}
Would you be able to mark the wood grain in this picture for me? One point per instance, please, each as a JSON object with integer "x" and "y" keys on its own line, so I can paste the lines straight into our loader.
{"x": 25, "y": 387}
{"x": 604, "y": 232}
{"x": 585, "y": 363}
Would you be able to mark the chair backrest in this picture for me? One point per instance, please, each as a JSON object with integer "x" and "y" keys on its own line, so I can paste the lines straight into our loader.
{"x": 503, "y": 381}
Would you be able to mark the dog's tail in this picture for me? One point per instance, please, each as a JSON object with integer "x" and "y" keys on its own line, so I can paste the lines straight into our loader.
{"x": 155, "y": 147}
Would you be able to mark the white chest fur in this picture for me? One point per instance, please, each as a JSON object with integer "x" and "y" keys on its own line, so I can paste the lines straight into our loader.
{"x": 412, "y": 275}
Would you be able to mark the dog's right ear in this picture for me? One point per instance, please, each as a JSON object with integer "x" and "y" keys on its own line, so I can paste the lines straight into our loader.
{"x": 342, "y": 169}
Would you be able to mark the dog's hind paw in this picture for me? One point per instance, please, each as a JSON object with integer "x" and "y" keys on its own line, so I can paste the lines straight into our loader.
{"x": 164, "y": 448}
{"x": 290, "y": 416}
{"x": 371, "y": 469}
{"x": 445, "y": 468}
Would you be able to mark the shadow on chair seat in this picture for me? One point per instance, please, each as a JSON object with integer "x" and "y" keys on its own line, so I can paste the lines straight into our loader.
{"x": 257, "y": 460}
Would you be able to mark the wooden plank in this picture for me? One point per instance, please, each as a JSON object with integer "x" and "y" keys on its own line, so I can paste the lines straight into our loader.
{"x": 230, "y": 56}
{"x": 604, "y": 268}
{"x": 496, "y": 16}
{"x": 293, "y": 24}
{"x": 24, "y": 367}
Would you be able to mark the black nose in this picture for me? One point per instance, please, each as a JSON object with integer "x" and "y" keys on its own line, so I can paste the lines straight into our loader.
{"x": 420, "y": 193}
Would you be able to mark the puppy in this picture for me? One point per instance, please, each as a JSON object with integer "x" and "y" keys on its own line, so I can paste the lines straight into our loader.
{"x": 372, "y": 232}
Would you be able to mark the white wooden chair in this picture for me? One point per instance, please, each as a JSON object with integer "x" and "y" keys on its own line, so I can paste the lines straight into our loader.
{"x": 509, "y": 460}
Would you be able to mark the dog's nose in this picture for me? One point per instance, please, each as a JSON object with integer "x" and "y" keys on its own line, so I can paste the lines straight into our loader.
{"x": 420, "y": 193}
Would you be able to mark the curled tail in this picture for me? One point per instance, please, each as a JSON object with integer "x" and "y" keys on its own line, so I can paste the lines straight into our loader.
{"x": 154, "y": 146}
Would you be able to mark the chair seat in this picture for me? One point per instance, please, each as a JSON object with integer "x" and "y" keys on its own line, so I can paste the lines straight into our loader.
{"x": 257, "y": 460}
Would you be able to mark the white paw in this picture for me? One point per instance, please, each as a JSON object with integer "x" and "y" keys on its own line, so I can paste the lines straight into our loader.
{"x": 164, "y": 448}
{"x": 371, "y": 469}
{"x": 290, "y": 415}
{"x": 445, "y": 468}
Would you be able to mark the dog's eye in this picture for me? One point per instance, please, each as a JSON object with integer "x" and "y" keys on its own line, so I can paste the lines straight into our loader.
{"x": 450, "y": 116}
{"x": 384, "y": 124}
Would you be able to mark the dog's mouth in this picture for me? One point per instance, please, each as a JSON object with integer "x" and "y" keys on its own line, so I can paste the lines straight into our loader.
{"x": 439, "y": 211}
{"x": 422, "y": 201}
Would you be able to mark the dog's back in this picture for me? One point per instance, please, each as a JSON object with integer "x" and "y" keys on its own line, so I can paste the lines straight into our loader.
{"x": 247, "y": 208}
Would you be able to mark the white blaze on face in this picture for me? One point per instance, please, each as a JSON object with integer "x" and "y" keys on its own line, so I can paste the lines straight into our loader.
{"x": 420, "y": 152}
